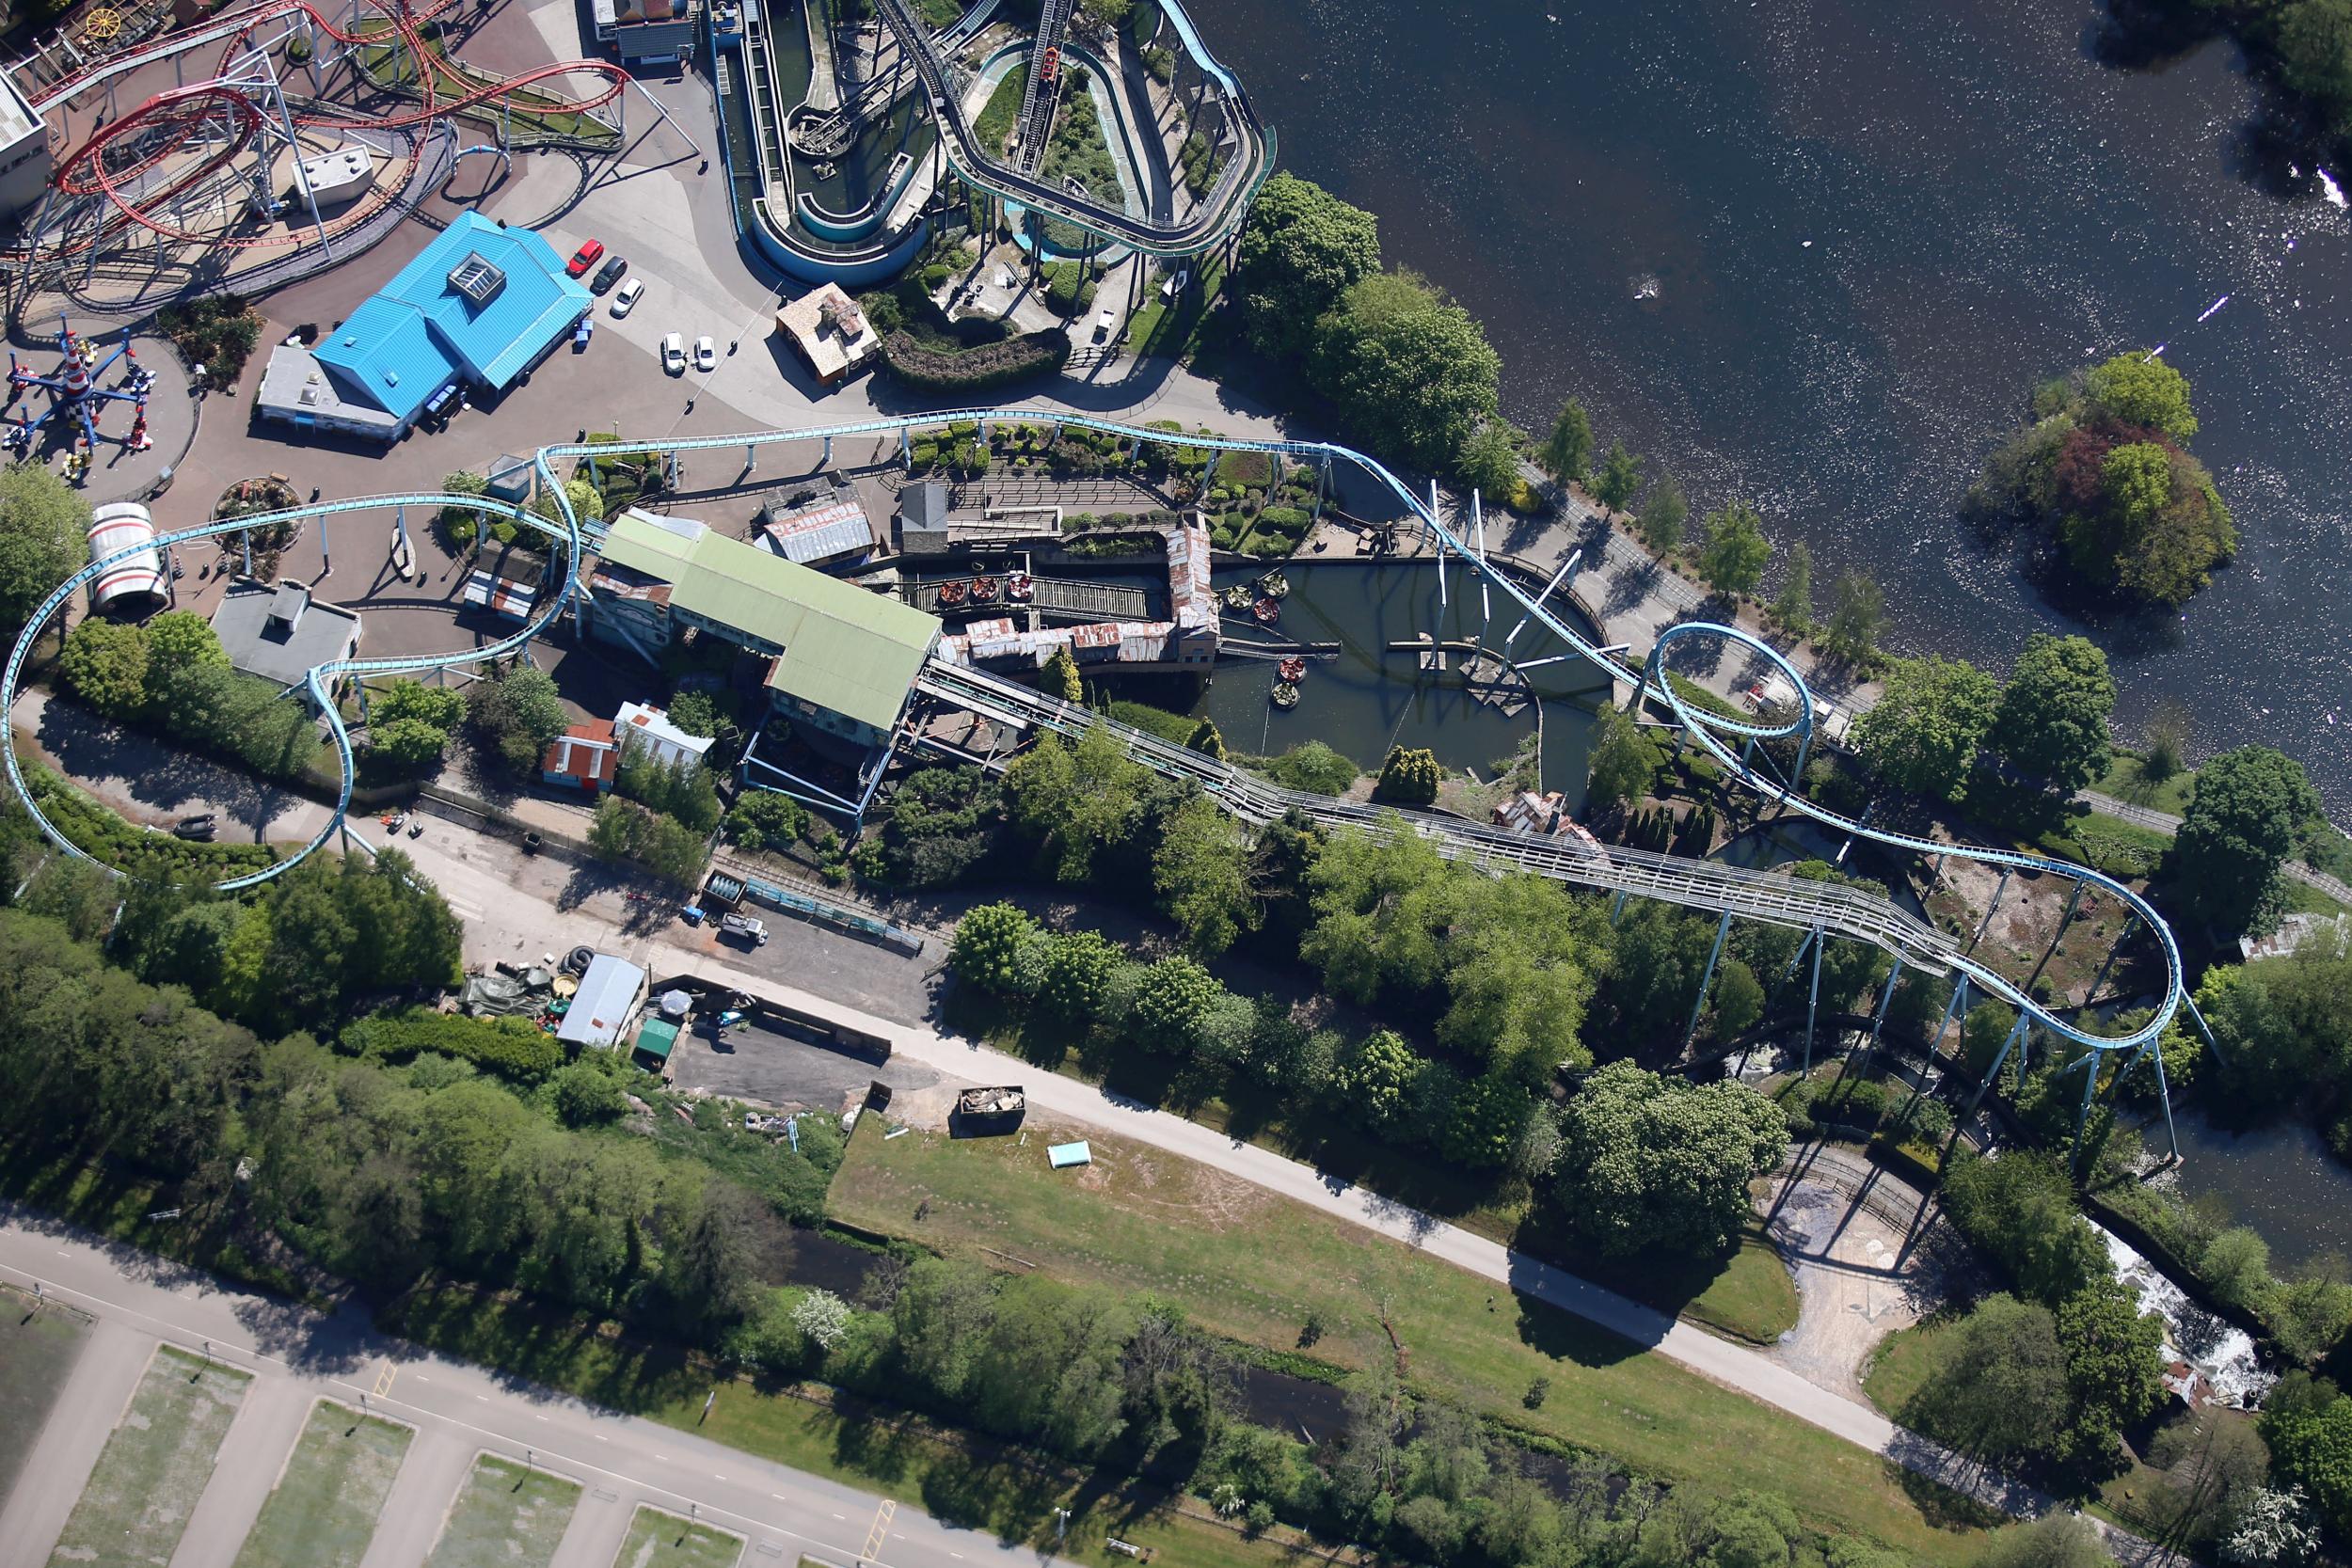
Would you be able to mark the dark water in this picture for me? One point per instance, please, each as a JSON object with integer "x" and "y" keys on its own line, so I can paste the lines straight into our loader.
{"x": 1986, "y": 204}
{"x": 2281, "y": 1180}
{"x": 1368, "y": 699}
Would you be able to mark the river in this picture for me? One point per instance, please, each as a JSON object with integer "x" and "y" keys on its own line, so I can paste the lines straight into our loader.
{"x": 1815, "y": 252}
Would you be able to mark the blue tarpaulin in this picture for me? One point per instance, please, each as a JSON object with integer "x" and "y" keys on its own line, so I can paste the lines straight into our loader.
{"x": 1069, "y": 1154}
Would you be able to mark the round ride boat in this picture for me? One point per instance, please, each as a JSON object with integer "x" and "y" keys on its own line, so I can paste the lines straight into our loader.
{"x": 951, "y": 594}
{"x": 1274, "y": 585}
{"x": 1267, "y": 612}
{"x": 1236, "y": 597}
{"x": 1284, "y": 695}
{"x": 983, "y": 590}
{"x": 1019, "y": 588}
{"x": 1292, "y": 669}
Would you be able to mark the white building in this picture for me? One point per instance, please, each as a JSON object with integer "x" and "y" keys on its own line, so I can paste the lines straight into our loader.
{"x": 638, "y": 724}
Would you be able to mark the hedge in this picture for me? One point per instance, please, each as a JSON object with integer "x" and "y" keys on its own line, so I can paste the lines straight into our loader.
{"x": 140, "y": 853}
{"x": 978, "y": 368}
{"x": 510, "y": 1047}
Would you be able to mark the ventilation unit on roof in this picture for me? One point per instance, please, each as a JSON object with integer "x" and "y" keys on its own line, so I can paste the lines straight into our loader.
{"x": 477, "y": 280}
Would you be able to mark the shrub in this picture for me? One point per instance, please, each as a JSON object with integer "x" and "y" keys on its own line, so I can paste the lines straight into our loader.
{"x": 1410, "y": 776}
{"x": 975, "y": 369}
{"x": 1312, "y": 767}
{"x": 763, "y": 819}
{"x": 144, "y": 856}
{"x": 510, "y": 1047}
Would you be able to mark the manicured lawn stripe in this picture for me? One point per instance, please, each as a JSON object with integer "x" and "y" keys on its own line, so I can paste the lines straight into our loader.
{"x": 154, "y": 1466}
{"x": 505, "y": 1516}
{"x": 324, "y": 1509}
{"x": 37, "y": 1354}
{"x": 658, "y": 1539}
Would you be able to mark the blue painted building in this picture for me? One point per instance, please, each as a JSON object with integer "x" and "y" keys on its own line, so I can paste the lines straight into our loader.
{"x": 479, "y": 306}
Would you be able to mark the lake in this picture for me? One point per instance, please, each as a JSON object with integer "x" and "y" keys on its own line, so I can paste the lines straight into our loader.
{"x": 1815, "y": 251}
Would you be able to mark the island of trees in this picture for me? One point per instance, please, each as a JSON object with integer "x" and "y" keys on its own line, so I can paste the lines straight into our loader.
{"x": 2104, "y": 467}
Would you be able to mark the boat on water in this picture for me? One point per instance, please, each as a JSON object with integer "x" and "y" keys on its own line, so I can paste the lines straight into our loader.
{"x": 1284, "y": 695}
{"x": 1274, "y": 585}
{"x": 984, "y": 590}
{"x": 952, "y": 593}
{"x": 1267, "y": 612}
{"x": 1292, "y": 670}
{"x": 1237, "y": 597}
{"x": 1020, "y": 588}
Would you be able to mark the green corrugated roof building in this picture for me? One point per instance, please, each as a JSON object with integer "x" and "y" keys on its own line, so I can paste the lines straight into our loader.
{"x": 656, "y": 1038}
{"x": 845, "y": 657}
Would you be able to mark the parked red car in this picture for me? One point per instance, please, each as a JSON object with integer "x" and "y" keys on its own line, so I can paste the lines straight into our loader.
{"x": 585, "y": 258}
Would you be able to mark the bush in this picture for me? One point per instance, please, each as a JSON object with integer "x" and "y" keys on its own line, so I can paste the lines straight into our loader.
{"x": 144, "y": 856}
{"x": 1310, "y": 767}
{"x": 1410, "y": 776}
{"x": 763, "y": 819}
{"x": 511, "y": 1047}
{"x": 217, "y": 332}
{"x": 975, "y": 369}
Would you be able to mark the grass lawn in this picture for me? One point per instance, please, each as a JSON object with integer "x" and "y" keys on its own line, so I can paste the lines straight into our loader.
{"x": 324, "y": 1508}
{"x": 505, "y": 1516}
{"x": 2123, "y": 781}
{"x": 658, "y": 1539}
{"x": 1250, "y": 1266}
{"x": 155, "y": 1463}
{"x": 1174, "y": 331}
{"x": 889, "y": 1454}
{"x": 1904, "y": 1362}
{"x": 38, "y": 1350}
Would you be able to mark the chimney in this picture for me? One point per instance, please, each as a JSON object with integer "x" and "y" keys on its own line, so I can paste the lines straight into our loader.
{"x": 286, "y": 607}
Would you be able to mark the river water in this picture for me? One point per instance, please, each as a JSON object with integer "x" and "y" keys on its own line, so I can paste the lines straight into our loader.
{"x": 1815, "y": 252}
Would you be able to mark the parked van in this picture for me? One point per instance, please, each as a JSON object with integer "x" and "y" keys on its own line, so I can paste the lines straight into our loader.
{"x": 744, "y": 925}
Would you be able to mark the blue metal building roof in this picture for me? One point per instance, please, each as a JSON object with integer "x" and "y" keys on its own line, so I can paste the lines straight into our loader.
{"x": 409, "y": 340}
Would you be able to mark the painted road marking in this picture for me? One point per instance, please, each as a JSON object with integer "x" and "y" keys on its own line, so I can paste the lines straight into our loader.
{"x": 383, "y": 1378}
{"x": 880, "y": 1528}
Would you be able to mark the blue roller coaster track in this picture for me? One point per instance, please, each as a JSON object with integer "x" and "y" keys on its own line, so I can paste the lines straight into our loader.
{"x": 1715, "y": 733}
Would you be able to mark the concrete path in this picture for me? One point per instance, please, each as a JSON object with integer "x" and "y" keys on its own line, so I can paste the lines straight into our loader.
{"x": 141, "y": 1301}
{"x": 259, "y": 1441}
{"x": 438, "y": 1463}
{"x": 112, "y": 1361}
{"x": 2166, "y": 823}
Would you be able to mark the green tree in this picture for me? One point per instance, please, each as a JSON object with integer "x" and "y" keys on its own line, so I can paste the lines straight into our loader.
{"x": 517, "y": 714}
{"x": 1923, "y": 733}
{"x": 695, "y": 712}
{"x": 2246, "y": 812}
{"x": 1059, "y": 676}
{"x": 1857, "y": 614}
{"x": 181, "y": 639}
{"x": 1739, "y": 1000}
{"x": 1172, "y": 1007}
{"x": 1408, "y": 776}
{"x": 1374, "y": 1081}
{"x": 2140, "y": 389}
{"x": 105, "y": 664}
{"x": 410, "y": 745}
{"x": 2311, "y": 1445}
{"x": 1647, "y": 1161}
{"x": 586, "y": 501}
{"x": 459, "y": 524}
{"x": 1202, "y": 874}
{"x": 1733, "y": 559}
{"x": 1301, "y": 249}
{"x": 1662, "y": 516}
{"x": 1490, "y": 462}
{"x": 1206, "y": 739}
{"x": 1566, "y": 453}
{"x": 993, "y": 948}
{"x": 1075, "y": 801}
{"x": 1409, "y": 370}
{"x": 1998, "y": 1391}
{"x": 1793, "y": 606}
{"x": 2057, "y": 1540}
{"x": 2141, "y": 517}
{"x": 44, "y": 530}
{"x": 1485, "y": 1124}
{"x": 1625, "y": 761}
{"x": 2020, "y": 1210}
{"x": 1620, "y": 476}
{"x": 2114, "y": 1365}
{"x": 2052, "y": 721}
{"x": 1519, "y": 962}
{"x": 2213, "y": 1466}
{"x": 405, "y": 698}
{"x": 585, "y": 1095}
{"x": 1075, "y": 976}
{"x": 765, "y": 819}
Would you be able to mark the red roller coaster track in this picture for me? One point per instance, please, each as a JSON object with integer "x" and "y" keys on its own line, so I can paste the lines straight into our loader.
{"x": 183, "y": 112}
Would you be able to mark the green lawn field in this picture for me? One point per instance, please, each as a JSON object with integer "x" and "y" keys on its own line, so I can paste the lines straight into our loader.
{"x": 324, "y": 1506}
{"x": 1251, "y": 1266}
{"x": 658, "y": 1539}
{"x": 505, "y": 1516}
{"x": 154, "y": 1466}
{"x": 38, "y": 1350}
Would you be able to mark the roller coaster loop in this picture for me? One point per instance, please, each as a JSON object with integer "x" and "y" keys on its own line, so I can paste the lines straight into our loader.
{"x": 164, "y": 125}
{"x": 1707, "y": 729}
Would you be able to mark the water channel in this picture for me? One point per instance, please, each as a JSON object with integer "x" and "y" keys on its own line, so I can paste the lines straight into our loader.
{"x": 1815, "y": 252}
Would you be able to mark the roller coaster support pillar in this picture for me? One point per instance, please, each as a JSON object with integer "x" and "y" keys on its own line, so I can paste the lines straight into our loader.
{"x": 751, "y": 458}
{"x": 2089, "y": 1064}
{"x": 1135, "y": 451}
{"x": 399, "y": 526}
{"x": 826, "y": 462}
{"x": 620, "y": 109}
{"x": 246, "y": 538}
{"x": 1813, "y": 999}
{"x": 1990, "y": 909}
{"x": 293, "y": 151}
{"x": 359, "y": 689}
{"x": 2164, "y": 1093}
{"x": 1208, "y": 475}
{"x": 1952, "y": 1007}
{"x": 1747, "y": 754}
{"x": 906, "y": 451}
{"x": 1698, "y": 1005}
{"x": 1557, "y": 578}
{"x": 2204, "y": 1028}
{"x": 1616, "y": 906}
{"x": 1878, "y": 1019}
{"x": 1323, "y": 477}
{"x": 1993, "y": 1073}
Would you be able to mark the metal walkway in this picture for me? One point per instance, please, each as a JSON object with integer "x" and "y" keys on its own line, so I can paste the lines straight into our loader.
{"x": 1720, "y": 889}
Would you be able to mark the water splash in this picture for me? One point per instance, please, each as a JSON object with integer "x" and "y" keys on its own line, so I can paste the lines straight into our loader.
{"x": 2329, "y": 188}
{"x": 2217, "y": 1348}
{"x": 2211, "y": 308}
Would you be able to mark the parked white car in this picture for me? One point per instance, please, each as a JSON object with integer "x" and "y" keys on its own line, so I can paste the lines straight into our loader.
{"x": 705, "y": 355}
{"x": 673, "y": 353}
{"x": 626, "y": 301}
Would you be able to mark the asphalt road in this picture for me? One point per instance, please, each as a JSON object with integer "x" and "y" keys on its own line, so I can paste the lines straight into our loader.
{"x": 297, "y": 1355}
